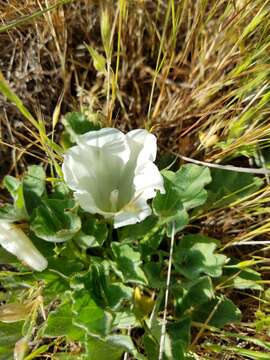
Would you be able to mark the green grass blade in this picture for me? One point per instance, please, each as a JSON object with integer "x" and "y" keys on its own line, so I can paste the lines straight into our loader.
{"x": 12, "y": 97}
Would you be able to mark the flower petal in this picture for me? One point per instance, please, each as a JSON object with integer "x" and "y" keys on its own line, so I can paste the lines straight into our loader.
{"x": 134, "y": 212}
{"x": 143, "y": 148}
{"x": 87, "y": 203}
{"x": 148, "y": 179}
{"x": 110, "y": 140}
{"x": 14, "y": 240}
{"x": 143, "y": 145}
{"x": 95, "y": 166}
{"x": 78, "y": 173}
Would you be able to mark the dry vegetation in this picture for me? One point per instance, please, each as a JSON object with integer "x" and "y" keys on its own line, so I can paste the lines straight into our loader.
{"x": 196, "y": 72}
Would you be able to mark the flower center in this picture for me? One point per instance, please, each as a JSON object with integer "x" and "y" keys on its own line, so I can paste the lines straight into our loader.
{"x": 114, "y": 195}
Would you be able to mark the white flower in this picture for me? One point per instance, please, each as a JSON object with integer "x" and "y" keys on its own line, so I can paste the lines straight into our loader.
{"x": 14, "y": 240}
{"x": 113, "y": 174}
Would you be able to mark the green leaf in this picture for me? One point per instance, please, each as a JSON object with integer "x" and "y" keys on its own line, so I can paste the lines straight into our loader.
{"x": 184, "y": 191}
{"x": 92, "y": 234}
{"x": 9, "y": 335}
{"x": 54, "y": 282}
{"x": 105, "y": 293}
{"x": 12, "y": 185}
{"x": 114, "y": 346}
{"x": 77, "y": 123}
{"x": 60, "y": 323}
{"x": 33, "y": 187}
{"x": 139, "y": 230}
{"x": 245, "y": 279}
{"x": 179, "y": 335}
{"x": 179, "y": 221}
{"x": 56, "y": 220}
{"x": 129, "y": 263}
{"x": 60, "y": 191}
{"x": 155, "y": 273}
{"x": 195, "y": 255}
{"x": 125, "y": 342}
{"x": 229, "y": 186}
{"x": 9, "y": 213}
{"x": 194, "y": 294}
{"x": 190, "y": 181}
{"x": 151, "y": 347}
{"x": 117, "y": 293}
{"x": 124, "y": 320}
{"x": 89, "y": 316}
{"x": 62, "y": 260}
{"x": 65, "y": 140}
{"x": 167, "y": 205}
{"x": 26, "y": 194}
{"x": 151, "y": 242}
{"x": 177, "y": 339}
{"x": 6, "y": 257}
{"x": 98, "y": 349}
{"x": 222, "y": 309}
{"x": 15, "y": 188}
{"x": 148, "y": 234}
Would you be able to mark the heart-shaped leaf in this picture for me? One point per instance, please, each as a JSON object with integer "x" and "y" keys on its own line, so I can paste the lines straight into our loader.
{"x": 129, "y": 263}
{"x": 56, "y": 220}
{"x": 195, "y": 255}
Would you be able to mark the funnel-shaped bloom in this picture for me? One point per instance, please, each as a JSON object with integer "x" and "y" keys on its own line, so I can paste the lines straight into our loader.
{"x": 14, "y": 240}
{"x": 113, "y": 174}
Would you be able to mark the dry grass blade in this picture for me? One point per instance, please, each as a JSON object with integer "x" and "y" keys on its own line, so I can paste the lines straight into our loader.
{"x": 28, "y": 18}
{"x": 195, "y": 72}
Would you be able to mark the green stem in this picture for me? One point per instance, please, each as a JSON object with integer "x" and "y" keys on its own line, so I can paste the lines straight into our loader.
{"x": 78, "y": 252}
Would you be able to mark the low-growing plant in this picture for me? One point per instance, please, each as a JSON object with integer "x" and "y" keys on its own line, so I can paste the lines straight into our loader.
{"x": 115, "y": 275}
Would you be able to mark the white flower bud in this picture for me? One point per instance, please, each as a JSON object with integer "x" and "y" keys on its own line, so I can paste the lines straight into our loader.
{"x": 14, "y": 240}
